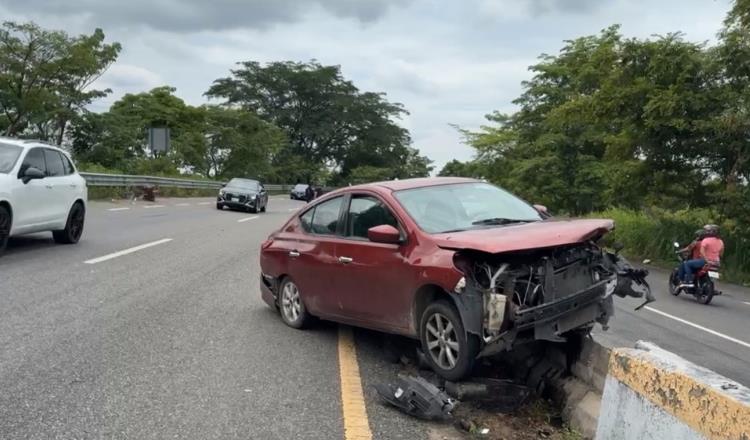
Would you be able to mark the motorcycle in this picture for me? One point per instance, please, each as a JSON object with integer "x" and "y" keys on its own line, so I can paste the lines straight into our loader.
{"x": 703, "y": 288}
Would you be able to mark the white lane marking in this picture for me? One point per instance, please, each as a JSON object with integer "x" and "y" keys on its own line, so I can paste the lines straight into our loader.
{"x": 127, "y": 251}
{"x": 153, "y": 206}
{"x": 182, "y": 204}
{"x": 292, "y": 209}
{"x": 242, "y": 220}
{"x": 204, "y": 203}
{"x": 745, "y": 302}
{"x": 707, "y": 330}
{"x": 118, "y": 209}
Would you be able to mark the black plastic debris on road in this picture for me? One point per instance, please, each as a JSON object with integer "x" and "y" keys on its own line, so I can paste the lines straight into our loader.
{"x": 499, "y": 395}
{"x": 417, "y": 397}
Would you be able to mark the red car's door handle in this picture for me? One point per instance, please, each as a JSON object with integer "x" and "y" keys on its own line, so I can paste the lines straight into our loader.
{"x": 345, "y": 260}
{"x": 293, "y": 254}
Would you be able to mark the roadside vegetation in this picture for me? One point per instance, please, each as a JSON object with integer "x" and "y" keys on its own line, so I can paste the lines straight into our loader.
{"x": 651, "y": 132}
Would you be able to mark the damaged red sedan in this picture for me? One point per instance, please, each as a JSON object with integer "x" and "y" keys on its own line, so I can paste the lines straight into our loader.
{"x": 465, "y": 267}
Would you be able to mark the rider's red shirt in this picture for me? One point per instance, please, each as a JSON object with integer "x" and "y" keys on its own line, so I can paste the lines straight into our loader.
{"x": 695, "y": 250}
{"x": 712, "y": 248}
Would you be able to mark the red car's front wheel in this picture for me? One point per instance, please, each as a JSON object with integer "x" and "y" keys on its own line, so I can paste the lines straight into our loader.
{"x": 449, "y": 350}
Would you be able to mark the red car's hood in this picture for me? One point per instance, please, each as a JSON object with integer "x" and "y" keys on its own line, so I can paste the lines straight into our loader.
{"x": 524, "y": 236}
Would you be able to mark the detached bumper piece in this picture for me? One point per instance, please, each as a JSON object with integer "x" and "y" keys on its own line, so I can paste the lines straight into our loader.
{"x": 417, "y": 397}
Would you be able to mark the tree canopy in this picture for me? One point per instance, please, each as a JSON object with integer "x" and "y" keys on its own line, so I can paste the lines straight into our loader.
{"x": 628, "y": 122}
{"x": 330, "y": 123}
{"x": 46, "y": 78}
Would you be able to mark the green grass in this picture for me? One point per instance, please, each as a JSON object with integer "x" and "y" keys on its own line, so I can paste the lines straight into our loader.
{"x": 649, "y": 234}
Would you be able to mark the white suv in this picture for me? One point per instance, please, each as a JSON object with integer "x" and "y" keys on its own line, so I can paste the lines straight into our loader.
{"x": 40, "y": 190}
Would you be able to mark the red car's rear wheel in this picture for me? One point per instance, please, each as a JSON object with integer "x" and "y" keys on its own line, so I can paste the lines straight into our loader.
{"x": 292, "y": 309}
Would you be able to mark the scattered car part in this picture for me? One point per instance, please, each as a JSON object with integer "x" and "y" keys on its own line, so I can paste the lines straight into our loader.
{"x": 498, "y": 394}
{"x": 417, "y": 397}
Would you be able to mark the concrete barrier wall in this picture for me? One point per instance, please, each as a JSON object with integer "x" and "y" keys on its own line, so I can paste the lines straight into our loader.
{"x": 580, "y": 392}
{"x": 650, "y": 393}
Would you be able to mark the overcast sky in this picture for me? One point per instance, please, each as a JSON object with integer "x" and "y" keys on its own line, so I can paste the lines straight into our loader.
{"x": 448, "y": 62}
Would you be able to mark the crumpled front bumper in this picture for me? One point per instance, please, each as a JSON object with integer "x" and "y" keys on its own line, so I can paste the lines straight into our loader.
{"x": 552, "y": 320}
{"x": 581, "y": 310}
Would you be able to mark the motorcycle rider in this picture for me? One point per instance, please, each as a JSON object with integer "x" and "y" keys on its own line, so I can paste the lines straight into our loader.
{"x": 709, "y": 251}
{"x": 693, "y": 250}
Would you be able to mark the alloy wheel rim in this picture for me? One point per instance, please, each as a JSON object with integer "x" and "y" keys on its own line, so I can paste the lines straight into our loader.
{"x": 442, "y": 341}
{"x": 290, "y": 302}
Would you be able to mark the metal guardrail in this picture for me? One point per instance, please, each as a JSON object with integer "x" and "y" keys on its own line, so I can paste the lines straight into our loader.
{"x": 122, "y": 180}
{"x": 97, "y": 179}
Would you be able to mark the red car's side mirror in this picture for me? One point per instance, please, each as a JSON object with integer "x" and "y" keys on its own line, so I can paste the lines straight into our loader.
{"x": 542, "y": 210}
{"x": 384, "y": 234}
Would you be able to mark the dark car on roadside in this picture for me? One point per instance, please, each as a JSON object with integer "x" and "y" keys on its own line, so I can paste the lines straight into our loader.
{"x": 243, "y": 194}
{"x": 298, "y": 191}
{"x": 465, "y": 267}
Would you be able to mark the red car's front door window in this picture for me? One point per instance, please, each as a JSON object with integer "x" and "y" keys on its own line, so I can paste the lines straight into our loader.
{"x": 373, "y": 281}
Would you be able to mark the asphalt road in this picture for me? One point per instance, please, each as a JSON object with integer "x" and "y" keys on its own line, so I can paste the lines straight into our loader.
{"x": 173, "y": 341}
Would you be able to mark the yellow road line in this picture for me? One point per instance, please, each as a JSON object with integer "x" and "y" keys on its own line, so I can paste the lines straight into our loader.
{"x": 356, "y": 425}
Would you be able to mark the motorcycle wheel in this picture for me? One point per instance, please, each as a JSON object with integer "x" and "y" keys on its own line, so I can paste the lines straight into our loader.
{"x": 674, "y": 281}
{"x": 705, "y": 293}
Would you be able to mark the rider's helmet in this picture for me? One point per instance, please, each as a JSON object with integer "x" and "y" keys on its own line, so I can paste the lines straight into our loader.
{"x": 699, "y": 234}
{"x": 711, "y": 230}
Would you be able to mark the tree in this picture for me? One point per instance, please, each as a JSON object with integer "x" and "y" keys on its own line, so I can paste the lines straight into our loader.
{"x": 209, "y": 140}
{"x": 456, "y": 168}
{"x": 607, "y": 121}
{"x": 46, "y": 78}
{"x": 329, "y": 123}
{"x": 239, "y": 144}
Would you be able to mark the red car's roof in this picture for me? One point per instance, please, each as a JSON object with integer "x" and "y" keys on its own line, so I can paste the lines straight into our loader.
{"x": 397, "y": 185}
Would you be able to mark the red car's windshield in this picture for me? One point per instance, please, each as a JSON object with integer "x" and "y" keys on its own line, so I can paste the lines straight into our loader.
{"x": 462, "y": 206}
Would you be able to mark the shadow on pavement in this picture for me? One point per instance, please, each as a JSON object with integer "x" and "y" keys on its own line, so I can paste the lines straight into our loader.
{"x": 29, "y": 243}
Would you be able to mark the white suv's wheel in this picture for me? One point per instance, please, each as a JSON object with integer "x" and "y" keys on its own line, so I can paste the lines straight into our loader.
{"x": 73, "y": 227}
{"x": 5, "y": 223}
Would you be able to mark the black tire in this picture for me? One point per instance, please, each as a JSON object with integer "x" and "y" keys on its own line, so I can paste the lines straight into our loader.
{"x": 291, "y": 307}
{"x": 73, "y": 227}
{"x": 5, "y": 224}
{"x": 219, "y": 206}
{"x": 705, "y": 293}
{"x": 439, "y": 356}
{"x": 263, "y": 209}
{"x": 674, "y": 281}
